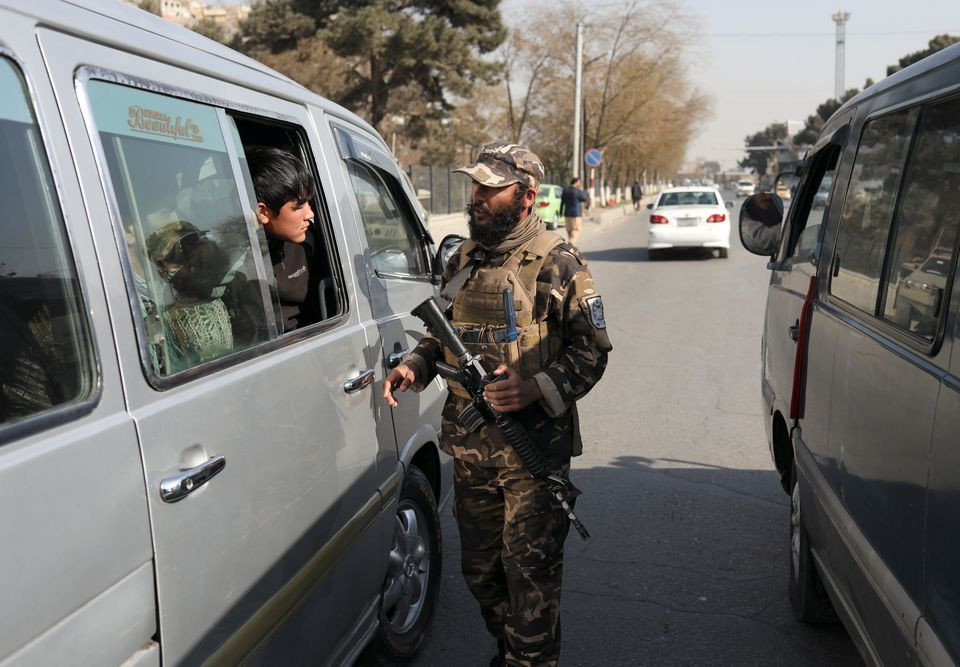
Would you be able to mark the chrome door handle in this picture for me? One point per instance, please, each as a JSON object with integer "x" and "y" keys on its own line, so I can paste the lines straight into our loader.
{"x": 394, "y": 358}
{"x": 794, "y": 331}
{"x": 356, "y": 384}
{"x": 179, "y": 485}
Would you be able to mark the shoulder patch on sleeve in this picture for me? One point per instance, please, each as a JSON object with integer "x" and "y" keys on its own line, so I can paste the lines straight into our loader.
{"x": 595, "y": 309}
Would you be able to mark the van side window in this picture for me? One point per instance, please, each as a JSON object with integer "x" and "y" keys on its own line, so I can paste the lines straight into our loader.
{"x": 868, "y": 209}
{"x": 46, "y": 358}
{"x": 921, "y": 254}
{"x": 192, "y": 247}
{"x": 394, "y": 246}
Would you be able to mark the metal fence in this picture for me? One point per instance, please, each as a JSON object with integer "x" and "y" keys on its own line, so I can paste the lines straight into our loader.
{"x": 439, "y": 190}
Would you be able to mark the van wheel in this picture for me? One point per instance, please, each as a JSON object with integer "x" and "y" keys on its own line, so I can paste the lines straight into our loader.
{"x": 722, "y": 253}
{"x": 413, "y": 570}
{"x": 809, "y": 600}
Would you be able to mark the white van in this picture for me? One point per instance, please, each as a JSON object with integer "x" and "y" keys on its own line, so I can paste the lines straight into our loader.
{"x": 180, "y": 480}
{"x": 861, "y": 368}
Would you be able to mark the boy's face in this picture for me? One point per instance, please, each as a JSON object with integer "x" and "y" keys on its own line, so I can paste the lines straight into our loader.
{"x": 290, "y": 223}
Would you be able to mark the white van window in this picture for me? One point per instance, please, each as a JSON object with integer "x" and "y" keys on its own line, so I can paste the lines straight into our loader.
{"x": 190, "y": 243}
{"x": 45, "y": 359}
{"x": 394, "y": 247}
{"x": 926, "y": 229}
{"x": 868, "y": 209}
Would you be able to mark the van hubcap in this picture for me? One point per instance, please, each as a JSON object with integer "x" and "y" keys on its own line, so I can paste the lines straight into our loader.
{"x": 408, "y": 569}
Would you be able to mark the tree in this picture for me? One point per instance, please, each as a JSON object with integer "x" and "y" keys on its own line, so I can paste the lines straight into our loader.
{"x": 273, "y": 26}
{"x": 938, "y": 43}
{"x": 813, "y": 124}
{"x": 152, "y": 6}
{"x": 210, "y": 28}
{"x": 771, "y": 135}
{"x": 432, "y": 45}
{"x": 639, "y": 106}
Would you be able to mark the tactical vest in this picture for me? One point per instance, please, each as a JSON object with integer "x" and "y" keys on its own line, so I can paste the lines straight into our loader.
{"x": 479, "y": 318}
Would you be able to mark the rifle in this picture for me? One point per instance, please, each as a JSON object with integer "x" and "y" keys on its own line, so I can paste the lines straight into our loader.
{"x": 472, "y": 377}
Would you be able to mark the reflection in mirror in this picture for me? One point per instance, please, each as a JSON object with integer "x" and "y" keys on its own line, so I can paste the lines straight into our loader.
{"x": 448, "y": 246}
{"x": 760, "y": 218}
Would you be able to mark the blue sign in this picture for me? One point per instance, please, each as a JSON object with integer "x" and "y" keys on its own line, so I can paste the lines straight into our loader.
{"x": 593, "y": 157}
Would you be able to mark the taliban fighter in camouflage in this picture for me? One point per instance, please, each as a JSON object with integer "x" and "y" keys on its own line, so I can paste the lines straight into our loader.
{"x": 511, "y": 528}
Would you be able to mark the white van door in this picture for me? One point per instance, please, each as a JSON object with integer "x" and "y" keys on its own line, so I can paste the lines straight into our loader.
{"x": 76, "y": 578}
{"x": 399, "y": 276}
{"x": 259, "y": 448}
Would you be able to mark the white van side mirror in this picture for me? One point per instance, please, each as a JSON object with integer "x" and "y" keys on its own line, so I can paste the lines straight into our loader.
{"x": 761, "y": 217}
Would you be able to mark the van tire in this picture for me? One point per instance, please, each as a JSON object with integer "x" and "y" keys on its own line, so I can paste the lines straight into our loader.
{"x": 412, "y": 582}
{"x": 809, "y": 599}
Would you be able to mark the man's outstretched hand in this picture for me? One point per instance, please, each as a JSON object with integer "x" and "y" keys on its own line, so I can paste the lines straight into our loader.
{"x": 400, "y": 379}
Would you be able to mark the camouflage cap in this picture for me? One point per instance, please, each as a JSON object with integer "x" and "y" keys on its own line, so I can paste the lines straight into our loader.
{"x": 499, "y": 164}
{"x": 161, "y": 242}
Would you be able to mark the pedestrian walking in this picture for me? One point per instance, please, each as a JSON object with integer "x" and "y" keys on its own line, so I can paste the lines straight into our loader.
{"x": 511, "y": 529}
{"x": 571, "y": 208}
{"x": 636, "y": 193}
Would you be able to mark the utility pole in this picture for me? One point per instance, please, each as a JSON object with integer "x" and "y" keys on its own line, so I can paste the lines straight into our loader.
{"x": 840, "y": 18}
{"x": 578, "y": 92}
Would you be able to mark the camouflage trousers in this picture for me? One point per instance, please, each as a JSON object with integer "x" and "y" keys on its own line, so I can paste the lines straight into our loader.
{"x": 511, "y": 537}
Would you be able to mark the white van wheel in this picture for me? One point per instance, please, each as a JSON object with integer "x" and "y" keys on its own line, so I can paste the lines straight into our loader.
{"x": 413, "y": 570}
{"x": 809, "y": 600}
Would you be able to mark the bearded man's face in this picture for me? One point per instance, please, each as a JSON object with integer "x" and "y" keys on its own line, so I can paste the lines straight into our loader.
{"x": 494, "y": 212}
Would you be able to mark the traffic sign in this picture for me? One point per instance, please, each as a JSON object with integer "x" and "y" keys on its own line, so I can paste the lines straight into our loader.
{"x": 593, "y": 157}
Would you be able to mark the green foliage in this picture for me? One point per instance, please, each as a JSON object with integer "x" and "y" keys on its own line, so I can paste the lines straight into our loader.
{"x": 811, "y": 129}
{"x": 771, "y": 135}
{"x": 152, "y": 6}
{"x": 210, "y": 28}
{"x": 938, "y": 43}
{"x": 402, "y": 57}
{"x": 273, "y": 26}
{"x": 431, "y": 46}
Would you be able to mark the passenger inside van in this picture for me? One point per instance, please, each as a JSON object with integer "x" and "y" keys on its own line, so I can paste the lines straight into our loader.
{"x": 283, "y": 187}
{"x": 195, "y": 268}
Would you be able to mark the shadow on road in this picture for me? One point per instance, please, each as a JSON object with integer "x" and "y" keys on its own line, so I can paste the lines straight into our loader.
{"x": 642, "y": 254}
{"x": 688, "y": 565}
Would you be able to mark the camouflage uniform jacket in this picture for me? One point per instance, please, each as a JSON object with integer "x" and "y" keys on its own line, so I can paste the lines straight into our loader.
{"x": 566, "y": 293}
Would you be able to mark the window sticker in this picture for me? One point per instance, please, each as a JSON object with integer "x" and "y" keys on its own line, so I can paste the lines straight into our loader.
{"x": 132, "y": 112}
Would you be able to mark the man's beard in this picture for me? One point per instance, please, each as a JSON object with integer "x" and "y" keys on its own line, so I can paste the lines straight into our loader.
{"x": 498, "y": 224}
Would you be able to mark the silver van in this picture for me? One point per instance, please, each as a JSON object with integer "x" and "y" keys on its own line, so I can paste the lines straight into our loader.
{"x": 182, "y": 482}
{"x": 860, "y": 385}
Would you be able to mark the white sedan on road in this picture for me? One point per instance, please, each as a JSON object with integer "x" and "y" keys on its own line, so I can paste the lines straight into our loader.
{"x": 690, "y": 217}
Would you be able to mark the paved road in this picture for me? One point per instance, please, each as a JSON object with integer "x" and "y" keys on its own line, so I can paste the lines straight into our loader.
{"x": 688, "y": 561}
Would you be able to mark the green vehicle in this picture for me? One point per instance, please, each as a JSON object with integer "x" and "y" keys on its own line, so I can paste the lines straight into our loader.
{"x": 548, "y": 204}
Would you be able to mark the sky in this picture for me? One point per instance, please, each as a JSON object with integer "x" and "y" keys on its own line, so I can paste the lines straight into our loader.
{"x": 772, "y": 61}
{"x": 766, "y": 61}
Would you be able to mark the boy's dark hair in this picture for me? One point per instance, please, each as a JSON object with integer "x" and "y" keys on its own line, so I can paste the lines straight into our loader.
{"x": 278, "y": 176}
{"x": 574, "y": 180}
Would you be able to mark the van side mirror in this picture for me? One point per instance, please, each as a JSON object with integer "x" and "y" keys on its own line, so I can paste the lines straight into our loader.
{"x": 448, "y": 246}
{"x": 761, "y": 217}
{"x": 649, "y": 205}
